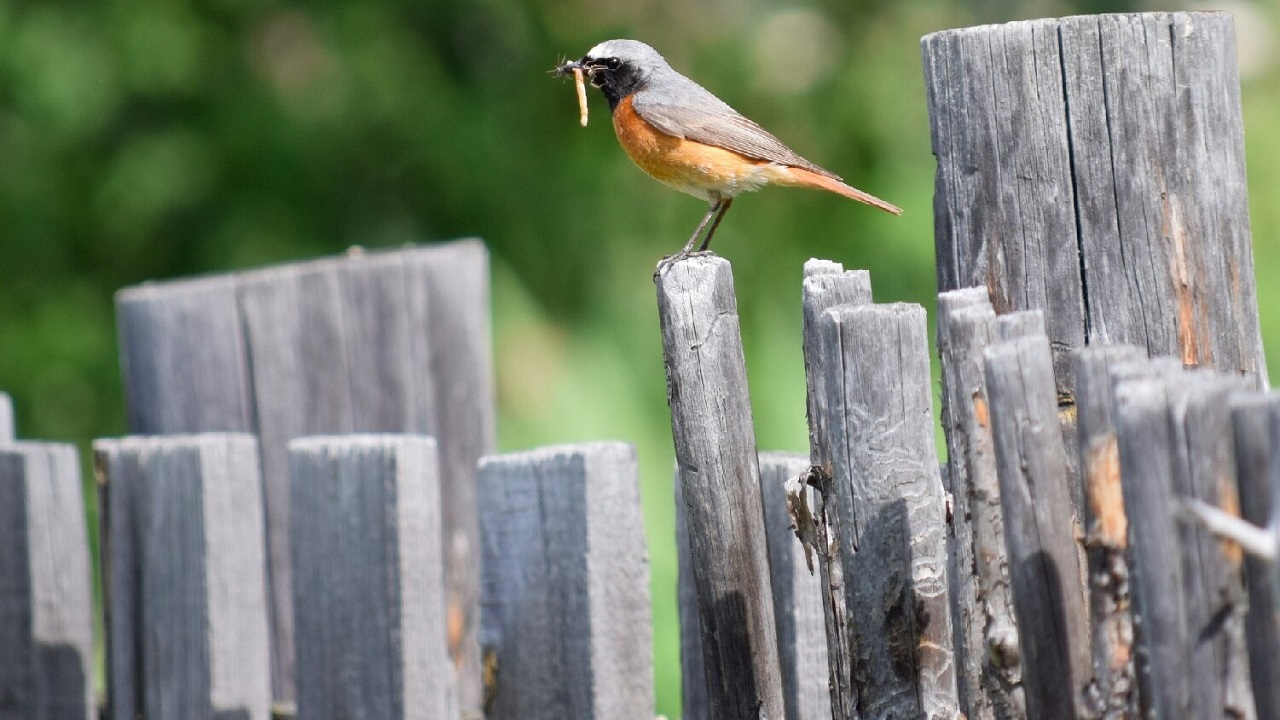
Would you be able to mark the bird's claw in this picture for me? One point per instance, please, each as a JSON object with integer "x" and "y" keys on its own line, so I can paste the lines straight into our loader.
{"x": 670, "y": 260}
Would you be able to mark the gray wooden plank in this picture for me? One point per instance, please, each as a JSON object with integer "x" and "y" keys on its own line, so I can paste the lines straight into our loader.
{"x": 182, "y": 357}
{"x": 1256, "y": 423}
{"x": 797, "y": 595}
{"x": 1114, "y": 693}
{"x": 894, "y": 546}
{"x": 293, "y": 329}
{"x": 1174, "y": 437}
{"x": 368, "y": 572}
{"x": 185, "y": 577}
{"x": 827, "y": 285}
{"x": 718, "y": 466}
{"x": 451, "y": 350}
{"x": 389, "y": 341}
{"x": 377, "y": 336}
{"x": 1180, "y": 244}
{"x": 1044, "y": 572}
{"x": 693, "y": 673}
{"x": 119, "y": 506}
{"x": 6, "y": 418}
{"x": 988, "y": 658}
{"x": 1004, "y": 214}
{"x": 565, "y": 608}
{"x": 46, "y": 592}
{"x": 1213, "y": 587}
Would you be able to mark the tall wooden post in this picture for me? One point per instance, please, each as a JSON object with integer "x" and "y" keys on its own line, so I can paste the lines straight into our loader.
{"x": 1093, "y": 167}
{"x": 720, "y": 477}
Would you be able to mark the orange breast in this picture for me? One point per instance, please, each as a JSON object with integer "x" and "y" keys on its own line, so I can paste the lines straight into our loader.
{"x": 704, "y": 171}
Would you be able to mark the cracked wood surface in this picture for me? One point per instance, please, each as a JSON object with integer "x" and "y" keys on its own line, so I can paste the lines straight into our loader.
{"x": 719, "y": 474}
{"x": 1093, "y": 167}
{"x": 886, "y": 578}
{"x": 1044, "y": 566}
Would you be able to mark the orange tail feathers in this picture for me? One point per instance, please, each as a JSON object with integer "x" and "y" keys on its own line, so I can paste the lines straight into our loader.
{"x": 799, "y": 177}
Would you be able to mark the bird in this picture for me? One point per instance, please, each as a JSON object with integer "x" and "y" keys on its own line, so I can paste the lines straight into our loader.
{"x": 688, "y": 139}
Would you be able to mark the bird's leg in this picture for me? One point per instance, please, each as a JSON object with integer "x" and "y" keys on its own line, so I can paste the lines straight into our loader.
{"x": 713, "y": 216}
{"x": 724, "y": 208}
{"x": 715, "y": 208}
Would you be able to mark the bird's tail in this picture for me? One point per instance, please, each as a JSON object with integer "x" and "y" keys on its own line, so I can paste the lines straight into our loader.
{"x": 800, "y": 177}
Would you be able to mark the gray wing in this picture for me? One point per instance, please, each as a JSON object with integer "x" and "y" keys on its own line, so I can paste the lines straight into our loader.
{"x": 686, "y": 110}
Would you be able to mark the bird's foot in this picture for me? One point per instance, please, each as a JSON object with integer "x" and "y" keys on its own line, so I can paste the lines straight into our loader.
{"x": 670, "y": 260}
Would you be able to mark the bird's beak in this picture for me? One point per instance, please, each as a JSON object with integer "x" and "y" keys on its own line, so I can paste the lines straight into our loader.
{"x": 568, "y": 66}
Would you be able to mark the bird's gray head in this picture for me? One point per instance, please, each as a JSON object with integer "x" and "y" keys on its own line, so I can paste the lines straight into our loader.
{"x": 619, "y": 67}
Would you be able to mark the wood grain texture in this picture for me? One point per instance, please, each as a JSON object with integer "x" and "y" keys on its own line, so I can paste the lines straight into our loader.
{"x": 1174, "y": 436}
{"x": 1256, "y": 433}
{"x": 1092, "y": 167}
{"x": 828, "y": 285}
{"x": 1044, "y": 572}
{"x": 452, "y": 353}
{"x": 797, "y": 602}
{"x": 693, "y": 674}
{"x": 893, "y": 546}
{"x": 718, "y": 467}
{"x": 797, "y": 595}
{"x": 988, "y": 656}
{"x": 6, "y": 418}
{"x": 46, "y": 591}
{"x": 565, "y": 617}
{"x": 1114, "y": 692}
{"x": 183, "y": 358}
{"x": 390, "y": 341}
{"x": 1213, "y": 586}
{"x": 369, "y": 567}
{"x": 185, "y": 584}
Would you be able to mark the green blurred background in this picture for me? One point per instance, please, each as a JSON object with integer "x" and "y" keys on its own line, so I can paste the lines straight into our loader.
{"x": 145, "y": 140}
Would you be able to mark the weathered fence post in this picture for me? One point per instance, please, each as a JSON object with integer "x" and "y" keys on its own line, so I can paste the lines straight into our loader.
{"x": 1044, "y": 568}
{"x": 797, "y": 594}
{"x": 185, "y": 586}
{"x": 1257, "y": 448}
{"x": 1114, "y": 691}
{"x": 1093, "y": 167}
{"x": 6, "y": 418}
{"x": 718, "y": 467}
{"x": 565, "y": 619}
{"x": 1175, "y": 442}
{"x": 366, "y": 588}
{"x": 393, "y": 341}
{"x": 797, "y": 600}
{"x": 988, "y": 654}
{"x": 693, "y": 675}
{"x": 891, "y": 531}
{"x": 828, "y": 285}
{"x": 46, "y": 591}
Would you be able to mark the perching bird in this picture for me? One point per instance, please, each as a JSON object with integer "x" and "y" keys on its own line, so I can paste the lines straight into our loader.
{"x": 687, "y": 138}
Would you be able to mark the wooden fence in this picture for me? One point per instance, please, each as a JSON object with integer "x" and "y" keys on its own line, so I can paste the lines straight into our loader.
{"x": 311, "y": 521}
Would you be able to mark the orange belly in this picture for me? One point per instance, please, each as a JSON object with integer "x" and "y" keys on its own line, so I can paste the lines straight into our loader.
{"x": 704, "y": 171}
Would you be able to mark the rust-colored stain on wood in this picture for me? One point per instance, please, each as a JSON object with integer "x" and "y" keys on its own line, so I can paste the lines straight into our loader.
{"x": 1195, "y": 350}
{"x": 455, "y": 625}
{"x": 1229, "y": 502}
{"x": 1120, "y": 641}
{"x": 980, "y": 412}
{"x": 1102, "y": 479}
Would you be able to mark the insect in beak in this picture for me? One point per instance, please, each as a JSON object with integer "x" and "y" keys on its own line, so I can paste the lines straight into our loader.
{"x": 575, "y": 67}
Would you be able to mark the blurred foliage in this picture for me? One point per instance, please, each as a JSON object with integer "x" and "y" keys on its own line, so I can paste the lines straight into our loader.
{"x": 145, "y": 140}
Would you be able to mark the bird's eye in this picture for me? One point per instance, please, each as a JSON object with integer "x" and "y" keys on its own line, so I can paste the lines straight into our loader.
{"x": 613, "y": 63}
